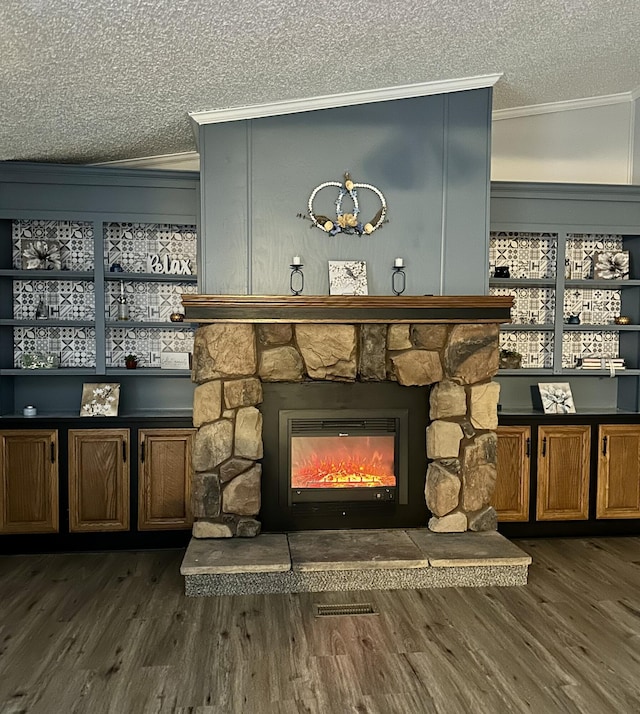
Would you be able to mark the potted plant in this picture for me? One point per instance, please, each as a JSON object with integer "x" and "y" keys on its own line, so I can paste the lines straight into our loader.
{"x": 509, "y": 359}
{"x": 131, "y": 361}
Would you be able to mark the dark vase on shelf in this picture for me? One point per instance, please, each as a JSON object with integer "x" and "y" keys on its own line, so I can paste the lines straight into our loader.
{"x": 131, "y": 363}
{"x": 501, "y": 271}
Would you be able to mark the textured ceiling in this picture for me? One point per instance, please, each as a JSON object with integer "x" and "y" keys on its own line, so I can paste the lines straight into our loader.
{"x": 95, "y": 80}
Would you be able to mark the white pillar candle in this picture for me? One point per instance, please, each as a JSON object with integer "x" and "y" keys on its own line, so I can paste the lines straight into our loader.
{"x": 296, "y": 260}
{"x": 399, "y": 263}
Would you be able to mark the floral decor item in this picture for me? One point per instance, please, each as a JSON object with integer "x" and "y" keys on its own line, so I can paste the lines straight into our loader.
{"x": 611, "y": 265}
{"x": 556, "y": 398}
{"x": 131, "y": 361}
{"x": 348, "y": 223}
{"x": 100, "y": 399}
{"x": 41, "y": 255}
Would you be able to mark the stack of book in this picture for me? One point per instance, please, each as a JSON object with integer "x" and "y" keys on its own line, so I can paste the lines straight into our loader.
{"x": 615, "y": 363}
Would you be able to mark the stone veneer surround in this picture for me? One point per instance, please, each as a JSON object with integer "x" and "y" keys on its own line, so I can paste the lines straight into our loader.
{"x": 232, "y": 359}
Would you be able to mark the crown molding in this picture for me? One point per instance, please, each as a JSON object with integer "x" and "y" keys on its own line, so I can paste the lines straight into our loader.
{"x": 564, "y": 106}
{"x": 183, "y": 161}
{"x": 347, "y": 99}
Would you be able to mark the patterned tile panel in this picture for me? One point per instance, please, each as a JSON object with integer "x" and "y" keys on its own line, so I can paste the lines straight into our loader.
{"x": 146, "y": 343}
{"x": 580, "y": 248}
{"x": 148, "y": 302}
{"x": 576, "y": 345}
{"x": 75, "y": 346}
{"x": 66, "y": 299}
{"x": 130, "y": 244}
{"x": 535, "y": 347}
{"x": 75, "y": 239}
{"x": 527, "y": 255}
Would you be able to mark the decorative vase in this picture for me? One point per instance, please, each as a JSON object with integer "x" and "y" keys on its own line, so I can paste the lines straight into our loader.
{"x": 176, "y": 317}
{"x": 573, "y": 320}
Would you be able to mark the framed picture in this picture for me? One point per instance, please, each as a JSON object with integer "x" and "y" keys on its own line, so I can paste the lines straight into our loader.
{"x": 41, "y": 255}
{"x": 556, "y": 398}
{"x": 611, "y": 265}
{"x": 348, "y": 277}
{"x": 175, "y": 360}
{"x": 100, "y": 399}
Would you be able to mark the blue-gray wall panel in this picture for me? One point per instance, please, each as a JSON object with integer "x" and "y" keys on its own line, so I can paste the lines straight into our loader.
{"x": 223, "y": 239}
{"x": 70, "y": 191}
{"x": 257, "y": 176}
{"x": 466, "y": 245}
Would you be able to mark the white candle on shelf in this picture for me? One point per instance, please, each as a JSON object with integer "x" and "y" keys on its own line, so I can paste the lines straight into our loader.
{"x": 297, "y": 260}
{"x": 399, "y": 263}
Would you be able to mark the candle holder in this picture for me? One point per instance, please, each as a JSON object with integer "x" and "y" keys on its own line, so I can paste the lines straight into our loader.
{"x": 296, "y": 279}
{"x": 398, "y": 280}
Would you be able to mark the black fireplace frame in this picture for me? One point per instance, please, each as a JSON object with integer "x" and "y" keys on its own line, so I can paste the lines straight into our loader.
{"x": 277, "y": 515}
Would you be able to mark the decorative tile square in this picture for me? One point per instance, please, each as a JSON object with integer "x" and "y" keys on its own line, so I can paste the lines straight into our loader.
{"x": 535, "y": 347}
{"x": 576, "y": 345}
{"x": 75, "y": 239}
{"x": 527, "y": 255}
{"x": 130, "y": 244}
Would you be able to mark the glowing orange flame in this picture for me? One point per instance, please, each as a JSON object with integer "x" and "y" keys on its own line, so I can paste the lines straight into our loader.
{"x": 330, "y": 462}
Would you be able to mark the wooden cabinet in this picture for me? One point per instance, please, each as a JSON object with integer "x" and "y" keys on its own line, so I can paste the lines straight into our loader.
{"x": 164, "y": 479}
{"x": 98, "y": 480}
{"x": 29, "y": 488}
{"x": 618, "y": 486}
{"x": 511, "y": 497}
{"x": 563, "y": 473}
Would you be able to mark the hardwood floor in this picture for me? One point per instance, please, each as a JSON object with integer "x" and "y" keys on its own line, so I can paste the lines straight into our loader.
{"x": 114, "y": 633}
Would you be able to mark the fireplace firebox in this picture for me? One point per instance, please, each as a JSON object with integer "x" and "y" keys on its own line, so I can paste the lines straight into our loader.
{"x": 344, "y": 456}
{"x": 353, "y": 457}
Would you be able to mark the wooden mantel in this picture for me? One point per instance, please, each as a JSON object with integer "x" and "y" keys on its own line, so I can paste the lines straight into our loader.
{"x": 348, "y": 308}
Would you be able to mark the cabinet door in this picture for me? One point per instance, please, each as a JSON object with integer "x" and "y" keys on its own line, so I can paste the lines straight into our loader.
{"x": 511, "y": 497}
{"x": 563, "y": 473}
{"x": 29, "y": 488}
{"x": 618, "y": 471}
{"x": 98, "y": 480}
{"x": 164, "y": 479}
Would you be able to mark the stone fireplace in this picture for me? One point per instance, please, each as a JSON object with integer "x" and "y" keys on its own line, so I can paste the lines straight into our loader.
{"x": 244, "y": 343}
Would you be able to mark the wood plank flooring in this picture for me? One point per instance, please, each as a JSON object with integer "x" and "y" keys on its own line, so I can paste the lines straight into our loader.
{"x": 113, "y": 633}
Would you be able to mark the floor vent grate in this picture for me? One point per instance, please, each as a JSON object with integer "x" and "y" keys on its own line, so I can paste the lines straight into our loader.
{"x": 356, "y": 608}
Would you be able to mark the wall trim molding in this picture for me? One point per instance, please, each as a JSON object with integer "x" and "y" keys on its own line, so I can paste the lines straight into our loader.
{"x": 564, "y": 106}
{"x": 159, "y": 161}
{"x": 347, "y": 99}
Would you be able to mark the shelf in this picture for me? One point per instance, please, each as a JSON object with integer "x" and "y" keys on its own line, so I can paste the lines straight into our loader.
{"x": 526, "y": 372}
{"x": 548, "y": 372}
{"x": 48, "y": 323}
{"x": 522, "y": 327}
{"x": 137, "y": 324}
{"x": 522, "y": 282}
{"x": 151, "y": 277}
{"x": 588, "y": 284}
{"x": 146, "y": 372}
{"x": 57, "y": 372}
{"x": 46, "y": 274}
{"x": 600, "y": 328}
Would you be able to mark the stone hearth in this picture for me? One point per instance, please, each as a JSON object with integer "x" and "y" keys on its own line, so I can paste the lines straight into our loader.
{"x": 449, "y": 343}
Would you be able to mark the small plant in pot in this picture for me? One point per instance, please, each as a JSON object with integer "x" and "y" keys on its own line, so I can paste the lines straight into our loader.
{"x": 131, "y": 361}
{"x": 509, "y": 359}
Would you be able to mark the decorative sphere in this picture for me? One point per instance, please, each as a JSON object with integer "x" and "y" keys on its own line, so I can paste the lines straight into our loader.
{"x": 328, "y": 226}
{"x": 176, "y": 317}
{"x": 368, "y": 228}
{"x": 622, "y": 320}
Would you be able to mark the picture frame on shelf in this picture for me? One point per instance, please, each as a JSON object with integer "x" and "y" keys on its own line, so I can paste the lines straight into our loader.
{"x": 41, "y": 255}
{"x": 556, "y": 398}
{"x": 348, "y": 277}
{"x": 175, "y": 360}
{"x": 100, "y": 399}
{"x": 611, "y": 265}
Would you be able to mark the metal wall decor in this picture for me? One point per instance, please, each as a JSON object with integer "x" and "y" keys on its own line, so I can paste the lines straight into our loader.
{"x": 348, "y": 223}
